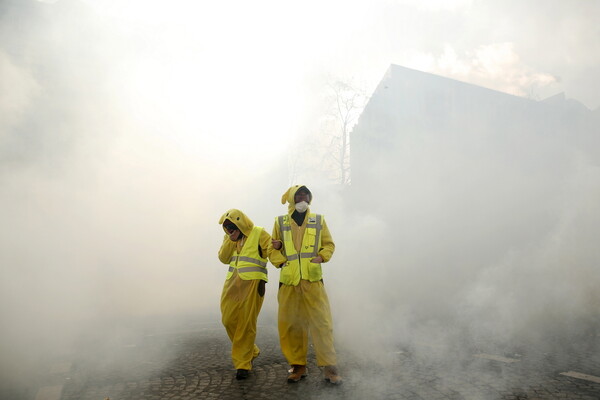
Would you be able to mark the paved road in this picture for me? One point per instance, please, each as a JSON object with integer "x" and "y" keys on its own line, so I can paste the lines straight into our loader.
{"x": 195, "y": 364}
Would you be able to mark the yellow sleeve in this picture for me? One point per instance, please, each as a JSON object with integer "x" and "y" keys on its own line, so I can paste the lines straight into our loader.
{"x": 277, "y": 257}
{"x": 265, "y": 243}
{"x": 226, "y": 250}
{"x": 327, "y": 245}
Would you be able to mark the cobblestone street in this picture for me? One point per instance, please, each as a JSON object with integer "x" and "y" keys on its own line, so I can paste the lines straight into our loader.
{"x": 195, "y": 364}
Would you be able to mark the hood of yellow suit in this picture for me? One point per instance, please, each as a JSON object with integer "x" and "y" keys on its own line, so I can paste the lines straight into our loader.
{"x": 288, "y": 197}
{"x": 240, "y": 219}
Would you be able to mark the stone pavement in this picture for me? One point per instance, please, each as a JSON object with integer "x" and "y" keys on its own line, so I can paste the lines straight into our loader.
{"x": 195, "y": 364}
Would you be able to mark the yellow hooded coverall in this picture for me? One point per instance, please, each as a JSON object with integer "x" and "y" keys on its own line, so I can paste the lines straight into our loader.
{"x": 303, "y": 302}
{"x": 243, "y": 292}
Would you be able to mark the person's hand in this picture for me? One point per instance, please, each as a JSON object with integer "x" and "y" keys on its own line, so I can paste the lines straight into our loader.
{"x": 276, "y": 244}
{"x": 317, "y": 260}
{"x": 235, "y": 235}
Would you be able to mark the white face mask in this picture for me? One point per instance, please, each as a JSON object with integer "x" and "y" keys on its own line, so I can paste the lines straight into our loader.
{"x": 301, "y": 207}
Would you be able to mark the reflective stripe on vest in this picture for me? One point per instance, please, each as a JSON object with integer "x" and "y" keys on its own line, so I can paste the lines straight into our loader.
{"x": 248, "y": 269}
{"x": 312, "y": 254}
{"x": 250, "y": 260}
{"x": 298, "y": 265}
{"x": 249, "y": 263}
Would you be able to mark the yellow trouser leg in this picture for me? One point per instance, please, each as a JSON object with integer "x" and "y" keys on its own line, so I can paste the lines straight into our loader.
{"x": 239, "y": 316}
{"x": 293, "y": 328}
{"x": 320, "y": 322}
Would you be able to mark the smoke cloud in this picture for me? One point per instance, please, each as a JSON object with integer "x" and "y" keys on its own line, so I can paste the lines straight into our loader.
{"x": 127, "y": 130}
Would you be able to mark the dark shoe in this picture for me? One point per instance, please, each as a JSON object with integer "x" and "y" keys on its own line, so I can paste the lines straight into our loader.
{"x": 241, "y": 374}
{"x": 331, "y": 374}
{"x": 296, "y": 373}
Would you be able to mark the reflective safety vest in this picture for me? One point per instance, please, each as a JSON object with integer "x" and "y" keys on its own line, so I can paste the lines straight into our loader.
{"x": 249, "y": 263}
{"x": 298, "y": 265}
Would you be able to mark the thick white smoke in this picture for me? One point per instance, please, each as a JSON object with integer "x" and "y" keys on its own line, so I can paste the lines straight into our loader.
{"x": 126, "y": 131}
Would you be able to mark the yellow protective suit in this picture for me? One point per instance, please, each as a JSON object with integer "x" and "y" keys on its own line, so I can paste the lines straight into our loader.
{"x": 303, "y": 307}
{"x": 241, "y": 299}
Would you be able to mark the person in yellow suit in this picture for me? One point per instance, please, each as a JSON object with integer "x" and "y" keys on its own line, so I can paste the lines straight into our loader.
{"x": 245, "y": 248}
{"x": 301, "y": 243}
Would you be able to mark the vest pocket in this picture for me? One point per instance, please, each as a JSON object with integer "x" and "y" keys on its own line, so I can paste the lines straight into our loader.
{"x": 314, "y": 272}
{"x": 310, "y": 240}
{"x": 286, "y": 274}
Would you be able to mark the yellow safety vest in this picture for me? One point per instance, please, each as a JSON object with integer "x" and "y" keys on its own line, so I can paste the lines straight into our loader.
{"x": 249, "y": 263}
{"x": 298, "y": 265}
